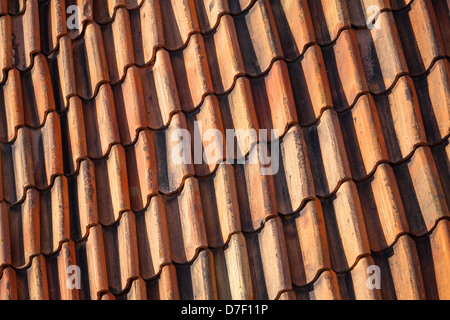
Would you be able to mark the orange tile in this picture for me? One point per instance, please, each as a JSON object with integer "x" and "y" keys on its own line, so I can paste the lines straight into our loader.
{"x": 401, "y": 275}
{"x": 220, "y": 209}
{"x": 153, "y": 239}
{"x": 306, "y": 243}
{"x": 232, "y": 270}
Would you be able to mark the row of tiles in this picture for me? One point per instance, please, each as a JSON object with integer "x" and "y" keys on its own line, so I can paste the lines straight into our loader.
{"x": 276, "y": 263}
{"x": 207, "y": 12}
{"x": 288, "y": 92}
{"x": 405, "y": 198}
{"x": 184, "y": 18}
{"x": 348, "y": 144}
{"x": 211, "y": 62}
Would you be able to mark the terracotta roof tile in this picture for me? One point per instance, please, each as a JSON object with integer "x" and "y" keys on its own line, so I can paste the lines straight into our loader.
{"x": 91, "y": 118}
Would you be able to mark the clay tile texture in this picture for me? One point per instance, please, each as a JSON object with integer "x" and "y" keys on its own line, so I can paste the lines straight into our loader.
{"x": 224, "y": 149}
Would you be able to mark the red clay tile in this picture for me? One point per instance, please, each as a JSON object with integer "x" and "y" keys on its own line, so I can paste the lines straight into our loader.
{"x": 402, "y": 278}
{"x": 306, "y": 243}
{"x": 232, "y": 268}
{"x": 153, "y": 239}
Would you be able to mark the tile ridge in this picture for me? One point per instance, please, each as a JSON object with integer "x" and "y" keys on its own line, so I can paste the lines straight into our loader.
{"x": 199, "y": 249}
{"x": 165, "y": 126}
{"x": 180, "y": 188}
{"x": 88, "y": 21}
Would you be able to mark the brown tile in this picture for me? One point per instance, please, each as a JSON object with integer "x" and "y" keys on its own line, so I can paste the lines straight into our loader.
{"x": 197, "y": 280}
{"x": 121, "y": 252}
{"x": 364, "y": 12}
{"x": 441, "y": 156}
{"x": 273, "y": 100}
{"x": 324, "y": 288}
{"x": 400, "y": 119}
{"x": 210, "y": 12}
{"x": 294, "y": 183}
{"x": 153, "y": 239}
{"x": 90, "y": 255}
{"x": 90, "y": 58}
{"x": 37, "y": 92}
{"x": 434, "y": 94}
{"x": 146, "y": 31}
{"x": 208, "y": 139}
{"x": 186, "y": 223}
{"x": 268, "y": 259}
{"x": 180, "y": 19}
{"x": 52, "y": 23}
{"x": 62, "y": 71}
{"x": 83, "y": 200}
{"x": 54, "y": 216}
{"x": 441, "y": 12}
{"x": 343, "y": 212}
{"x": 173, "y": 155}
{"x": 159, "y": 93}
{"x": 384, "y": 213}
{"x": 354, "y": 285}
{"x": 137, "y": 291}
{"x": 130, "y": 106}
{"x": 312, "y": 92}
{"x": 401, "y": 276}
{"x": 363, "y": 137}
{"x": 192, "y": 75}
{"x": 142, "y": 171}
{"x": 294, "y": 18}
{"x": 345, "y": 70}
{"x": 32, "y": 282}
{"x": 327, "y": 154}
{"x": 421, "y": 191}
{"x": 381, "y": 53}
{"x": 100, "y": 121}
{"x": 419, "y": 33}
{"x": 306, "y": 243}
{"x": 256, "y": 193}
{"x": 220, "y": 208}
{"x": 6, "y": 53}
{"x": 165, "y": 287}
{"x": 58, "y": 275}
{"x": 224, "y": 55}
{"x": 258, "y": 38}
{"x": 434, "y": 256}
{"x": 26, "y": 35}
{"x": 232, "y": 270}
{"x": 112, "y": 186}
{"x": 239, "y": 113}
{"x": 118, "y": 45}
{"x": 8, "y": 285}
{"x": 329, "y": 18}
{"x": 11, "y": 107}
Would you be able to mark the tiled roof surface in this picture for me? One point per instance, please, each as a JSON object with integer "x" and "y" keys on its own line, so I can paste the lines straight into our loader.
{"x": 363, "y": 120}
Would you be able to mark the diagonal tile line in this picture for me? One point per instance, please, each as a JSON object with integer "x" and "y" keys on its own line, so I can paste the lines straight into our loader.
{"x": 319, "y": 272}
{"x": 53, "y": 52}
{"x": 180, "y": 188}
{"x": 182, "y": 47}
{"x": 191, "y": 33}
{"x": 199, "y": 249}
{"x": 197, "y": 108}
